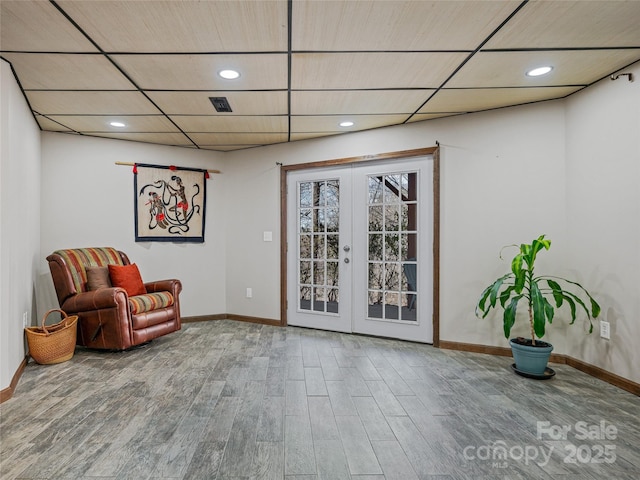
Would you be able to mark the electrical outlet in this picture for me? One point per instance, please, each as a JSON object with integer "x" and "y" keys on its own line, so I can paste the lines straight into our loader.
{"x": 605, "y": 332}
{"x": 249, "y": 293}
{"x": 25, "y": 319}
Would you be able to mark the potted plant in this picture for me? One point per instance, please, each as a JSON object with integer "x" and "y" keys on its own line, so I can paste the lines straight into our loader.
{"x": 543, "y": 295}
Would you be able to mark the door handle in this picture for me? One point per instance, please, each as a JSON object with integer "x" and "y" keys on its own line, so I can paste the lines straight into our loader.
{"x": 346, "y": 248}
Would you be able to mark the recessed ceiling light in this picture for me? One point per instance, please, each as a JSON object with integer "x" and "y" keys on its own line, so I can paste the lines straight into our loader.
{"x": 229, "y": 74}
{"x": 536, "y": 72}
{"x": 117, "y": 124}
{"x": 346, "y": 124}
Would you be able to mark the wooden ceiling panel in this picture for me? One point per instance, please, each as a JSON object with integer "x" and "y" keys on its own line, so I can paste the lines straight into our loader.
{"x": 364, "y": 70}
{"x": 372, "y": 102}
{"x": 101, "y": 123}
{"x": 226, "y": 148}
{"x": 572, "y": 24}
{"x": 376, "y": 62}
{"x": 49, "y": 125}
{"x": 213, "y": 139}
{"x": 472, "y": 100}
{"x": 508, "y": 69}
{"x": 398, "y": 25}
{"x": 296, "y": 137}
{"x": 200, "y": 72}
{"x": 242, "y": 103}
{"x": 38, "y": 27}
{"x": 331, "y": 123}
{"x": 230, "y": 123}
{"x": 421, "y": 117}
{"x": 67, "y": 72}
{"x": 183, "y": 26}
{"x": 158, "y": 138}
{"x": 91, "y": 103}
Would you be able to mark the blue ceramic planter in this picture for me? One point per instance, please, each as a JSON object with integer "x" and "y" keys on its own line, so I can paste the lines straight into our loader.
{"x": 531, "y": 360}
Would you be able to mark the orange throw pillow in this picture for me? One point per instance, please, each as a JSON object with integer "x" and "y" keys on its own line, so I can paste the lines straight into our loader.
{"x": 127, "y": 277}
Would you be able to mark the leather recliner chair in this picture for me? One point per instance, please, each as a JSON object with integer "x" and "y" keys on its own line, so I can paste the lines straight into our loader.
{"x": 108, "y": 317}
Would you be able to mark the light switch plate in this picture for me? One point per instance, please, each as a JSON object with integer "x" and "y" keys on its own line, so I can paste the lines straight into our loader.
{"x": 605, "y": 332}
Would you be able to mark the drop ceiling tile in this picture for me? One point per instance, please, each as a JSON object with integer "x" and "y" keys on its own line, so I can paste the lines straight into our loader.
{"x": 373, "y": 102}
{"x": 94, "y": 103}
{"x": 226, "y": 148}
{"x": 166, "y": 46}
{"x": 407, "y": 25}
{"x": 420, "y": 117}
{"x": 230, "y": 123}
{"x": 200, "y": 72}
{"x": 158, "y": 138}
{"x": 364, "y": 70}
{"x": 572, "y": 24}
{"x": 331, "y": 123}
{"x": 242, "y": 103}
{"x": 508, "y": 69}
{"x": 49, "y": 125}
{"x": 183, "y": 26}
{"x": 213, "y": 139}
{"x": 296, "y": 137}
{"x": 101, "y": 123}
{"x": 67, "y": 72}
{"x": 28, "y": 26}
{"x": 471, "y": 100}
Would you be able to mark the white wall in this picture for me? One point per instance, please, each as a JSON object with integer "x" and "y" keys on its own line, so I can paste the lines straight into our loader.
{"x": 507, "y": 176}
{"x": 87, "y": 201}
{"x": 19, "y": 221}
{"x": 568, "y": 169}
{"x": 496, "y": 190}
{"x": 603, "y": 215}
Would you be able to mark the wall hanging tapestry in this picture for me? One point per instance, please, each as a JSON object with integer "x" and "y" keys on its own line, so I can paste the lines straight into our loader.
{"x": 169, "y": 203}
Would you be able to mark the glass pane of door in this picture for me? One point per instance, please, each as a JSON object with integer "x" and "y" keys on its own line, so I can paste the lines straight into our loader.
{"x": 392, "y": 240}
{"x": 318, "y": 246}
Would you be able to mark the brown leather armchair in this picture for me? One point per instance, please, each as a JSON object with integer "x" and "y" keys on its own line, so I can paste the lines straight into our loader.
{"x": 108, "y": 317}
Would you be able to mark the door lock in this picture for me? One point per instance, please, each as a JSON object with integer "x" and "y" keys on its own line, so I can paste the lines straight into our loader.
{"x": 346, "y": 260}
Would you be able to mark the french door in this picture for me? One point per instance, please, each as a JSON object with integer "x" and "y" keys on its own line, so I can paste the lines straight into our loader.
{"x": 359, "y": 254}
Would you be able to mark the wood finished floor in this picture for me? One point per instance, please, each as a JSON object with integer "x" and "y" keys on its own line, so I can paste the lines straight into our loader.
{"x": 228, "y": 400}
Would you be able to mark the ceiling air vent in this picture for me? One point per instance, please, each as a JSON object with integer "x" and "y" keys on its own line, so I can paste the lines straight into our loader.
{"x": 221, "y": 104}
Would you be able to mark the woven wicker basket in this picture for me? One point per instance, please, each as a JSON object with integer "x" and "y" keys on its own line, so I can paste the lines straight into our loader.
{"x": 53, "y": 343}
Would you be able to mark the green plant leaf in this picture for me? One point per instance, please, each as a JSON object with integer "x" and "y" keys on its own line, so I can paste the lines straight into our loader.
{"x": 539, "y": 313}
{"x": 493, "y": 294}
{"x": 481, "y": 306}
{"x": 525, "y": 252}
{"x": 516, "y": 264}
{"x": 520, "y": 280}
{"x": 548, "y": 310}
{"x": 557, "y": 292}
{"x": 509, "y": 317}
{"x": 506, "y": 294}
{"x": 595, "y": 307}
{"x": 572, "y": 305}
{"x": 483, "y": 298}
{"x": 537, "y": 245}
{"x": 579, "y": 301}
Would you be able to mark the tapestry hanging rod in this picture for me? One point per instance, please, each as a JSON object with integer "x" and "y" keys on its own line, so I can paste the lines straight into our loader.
{"x": 131, "y": 164}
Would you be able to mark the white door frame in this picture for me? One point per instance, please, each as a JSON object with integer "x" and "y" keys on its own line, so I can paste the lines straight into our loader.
{"x": 339, "y": 319}
{"x": 399, "y": 155}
